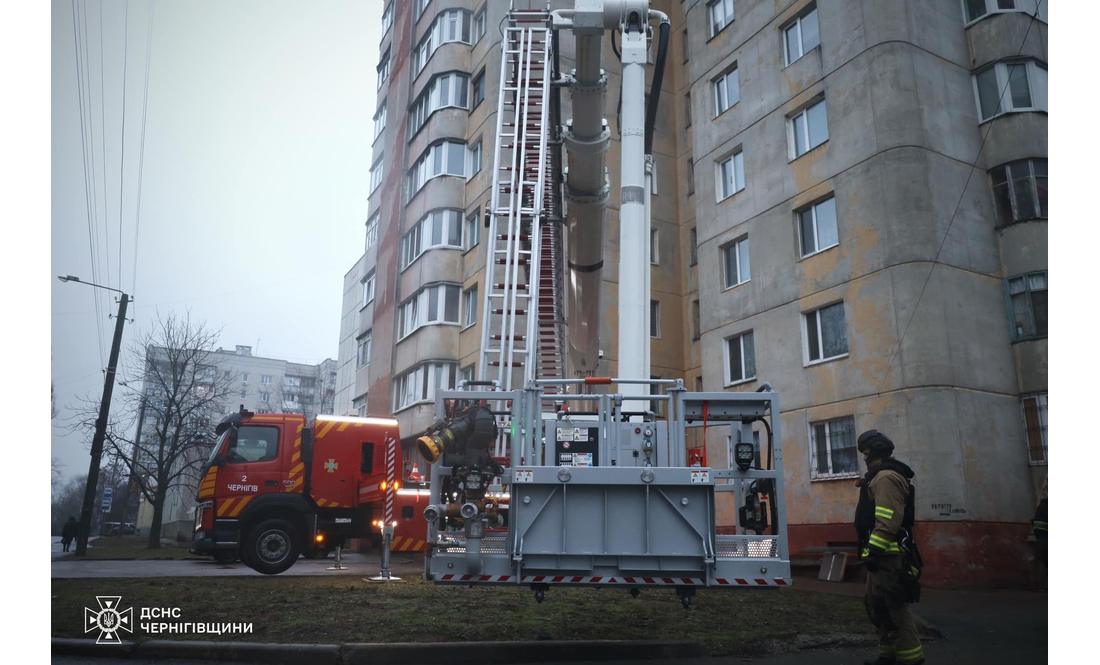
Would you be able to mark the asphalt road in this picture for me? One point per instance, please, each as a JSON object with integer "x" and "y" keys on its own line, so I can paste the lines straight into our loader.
{"x": 363, "y": 565}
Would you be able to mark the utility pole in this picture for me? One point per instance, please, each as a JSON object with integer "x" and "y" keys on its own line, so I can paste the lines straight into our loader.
{"x": 101, "y": 422}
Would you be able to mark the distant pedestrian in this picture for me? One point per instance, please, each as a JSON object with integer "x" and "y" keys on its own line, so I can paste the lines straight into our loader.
{"x": 68, "y": 532}
{"x": 884, "y": 522}
{"x": 1039, "y": 525}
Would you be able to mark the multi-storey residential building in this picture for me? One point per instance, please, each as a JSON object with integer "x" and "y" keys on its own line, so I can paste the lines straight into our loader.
{"x": 848, "y": 204}
{"x": 261, "y": 385}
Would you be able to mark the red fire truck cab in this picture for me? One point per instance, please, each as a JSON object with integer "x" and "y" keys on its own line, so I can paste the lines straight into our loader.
{"x": 276, "y": 487}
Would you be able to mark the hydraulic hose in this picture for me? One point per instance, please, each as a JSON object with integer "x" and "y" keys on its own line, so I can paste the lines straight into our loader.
{"x": 655, "y": 89}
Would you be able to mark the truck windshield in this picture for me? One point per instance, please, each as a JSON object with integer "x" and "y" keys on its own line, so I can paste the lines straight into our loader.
{"x": 217, "y": 447}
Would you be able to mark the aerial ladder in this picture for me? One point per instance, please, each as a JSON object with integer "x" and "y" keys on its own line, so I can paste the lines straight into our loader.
{"x": 607, "y": 499}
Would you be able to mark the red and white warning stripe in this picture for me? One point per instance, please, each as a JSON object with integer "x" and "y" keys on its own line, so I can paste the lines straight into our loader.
{"x": 631, "y": 581}
{"x": 391, "y": 470}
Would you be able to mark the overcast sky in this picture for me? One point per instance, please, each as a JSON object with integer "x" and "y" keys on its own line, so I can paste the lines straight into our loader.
{"x": 253, "y": 182}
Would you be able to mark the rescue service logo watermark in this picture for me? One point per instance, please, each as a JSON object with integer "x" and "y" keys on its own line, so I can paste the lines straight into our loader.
{"x": 109, "y": 620}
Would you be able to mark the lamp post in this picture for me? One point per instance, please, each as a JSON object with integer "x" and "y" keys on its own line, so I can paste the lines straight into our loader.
{"x": 100, "y": 423}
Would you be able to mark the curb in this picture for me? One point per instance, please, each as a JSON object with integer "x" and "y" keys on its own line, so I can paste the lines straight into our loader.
{"x": 453, "y": 653}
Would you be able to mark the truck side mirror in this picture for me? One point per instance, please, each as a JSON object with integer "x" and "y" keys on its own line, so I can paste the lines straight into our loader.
{"x": 307, "y": 446}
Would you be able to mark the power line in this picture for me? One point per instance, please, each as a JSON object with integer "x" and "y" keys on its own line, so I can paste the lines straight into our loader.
{"x": 141, "y": 154}
{"x": 84, "y": 153}
{"x": 122, "y": 158}
{"x": 962, "y": 195}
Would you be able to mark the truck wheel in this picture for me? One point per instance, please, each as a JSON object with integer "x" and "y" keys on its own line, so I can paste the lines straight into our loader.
{"x": 225, "y": 556}
{"x": 272, "y": 547}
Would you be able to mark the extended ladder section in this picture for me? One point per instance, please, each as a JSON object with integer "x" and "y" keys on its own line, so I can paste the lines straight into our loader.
{"x": 523, "y": 334}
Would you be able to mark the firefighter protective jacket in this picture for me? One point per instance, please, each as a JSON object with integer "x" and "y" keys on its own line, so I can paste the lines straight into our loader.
{"x": 885, "y": 509}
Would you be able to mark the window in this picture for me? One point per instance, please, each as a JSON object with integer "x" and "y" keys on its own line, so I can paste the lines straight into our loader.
{"x": 265, "y": 380}
{"x": 387, "y": 18}
{"x": 826, "y": 334}
{"x": 740, "y": 358}
{"x": 654, "y": 318}
{"x": 380, "y": 121}
{"x": 420, "y": 383}
{"x": 731, "y": 175}
{"x": 1020, "y": 190}
{"x": 475, "y": 161}
{"x": 727, "y": 92}
{"x": 368, "y": 288}
{"x": 293, "y": 382}
{"x": 687, "y": 110}
{"x": 720, "y": 13}
{"x": 696, "y": 321}
{"x": 479, "y": 27}
{"x": 446, "y": 158}
{"x": 472, "y": 234}
{"x": 452, "y": 25}
{"x": 244, "y": 393}
{"x": 685, "y": 43}
{"x": 432, "y": 304}
{"x": 1011, "y": 86}
{"x": 479, "y": 89}
{"x": 469, "y": 309}
{"x": 443, "y": 91}
{"x": 1035, "y": 426}
{"x": 362, "y": 355}
{"x": 1027, "y": 305}
{"x": 800, "y": 36}
{"x": 735, "y": 259}
{"x": 359, "y": 404}
{"x": 817, "y": 227}
{"x": 469, "y": 373}
{"x": 833, "y": 448}
{"x": 808, "y": 129}
{"x": 976, "y": 9}
{"x": 654, "y": 237}
{"x": 383, "y": 68}
{"x": 418, "y": 8}
{"x": 693, "y": 245}
{"x": 265, "y": 397}
{"x": 244, "y": 377}
{"x": 253, "y": 444}
{"x": 376, "y": 175}
{"x": 372, "y": 230}
{"x": 438, "y": 228}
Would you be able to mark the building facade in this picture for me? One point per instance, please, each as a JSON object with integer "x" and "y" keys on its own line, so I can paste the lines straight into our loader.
{"x": 850, "y": 203}
{"x": 260, "y": 385}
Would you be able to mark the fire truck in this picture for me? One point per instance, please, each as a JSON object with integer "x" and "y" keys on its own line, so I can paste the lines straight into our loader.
{"x": 276, "y": 486}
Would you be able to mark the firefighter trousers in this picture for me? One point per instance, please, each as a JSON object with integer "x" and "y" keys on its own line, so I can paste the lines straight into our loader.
{"x": 885, "y": 601}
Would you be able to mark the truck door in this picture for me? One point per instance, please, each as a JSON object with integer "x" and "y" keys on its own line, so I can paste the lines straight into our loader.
{"x": 252, "y": 467}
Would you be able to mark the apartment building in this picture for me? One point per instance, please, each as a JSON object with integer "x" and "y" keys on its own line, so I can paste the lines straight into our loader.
{"x": 850, "y": 203}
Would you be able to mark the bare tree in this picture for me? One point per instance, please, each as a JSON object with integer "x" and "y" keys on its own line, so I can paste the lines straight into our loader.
{"x": 182, "y": 398}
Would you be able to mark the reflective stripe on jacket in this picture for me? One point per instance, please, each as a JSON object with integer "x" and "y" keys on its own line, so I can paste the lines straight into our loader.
{"x": 889, "y": 491}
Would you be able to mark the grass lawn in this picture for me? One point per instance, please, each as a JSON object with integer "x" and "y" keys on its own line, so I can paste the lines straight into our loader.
{"x": 132, "y": 547}
{"x": 340, "y": 610}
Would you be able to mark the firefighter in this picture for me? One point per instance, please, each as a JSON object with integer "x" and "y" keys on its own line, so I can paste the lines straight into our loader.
{"x": 884, "y": 521}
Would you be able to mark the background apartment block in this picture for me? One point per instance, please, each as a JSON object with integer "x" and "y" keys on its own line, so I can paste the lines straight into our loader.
{"x": 845, "y": 206}
{"x": 260, "y": 385}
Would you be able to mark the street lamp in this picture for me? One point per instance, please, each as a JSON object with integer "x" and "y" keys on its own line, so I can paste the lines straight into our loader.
{"x": 101, "y": 422}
